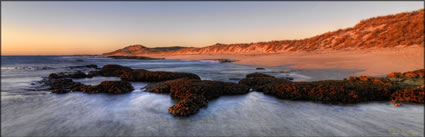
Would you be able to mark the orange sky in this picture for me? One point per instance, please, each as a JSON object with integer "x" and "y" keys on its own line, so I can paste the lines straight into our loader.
{"x": 64, "y": 28}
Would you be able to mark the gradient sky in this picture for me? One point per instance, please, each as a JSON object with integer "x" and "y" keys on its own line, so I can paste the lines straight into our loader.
{"x": 52, "y": 28}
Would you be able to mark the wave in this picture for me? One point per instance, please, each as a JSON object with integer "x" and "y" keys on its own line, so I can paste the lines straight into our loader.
{"x": 26, "y": 68}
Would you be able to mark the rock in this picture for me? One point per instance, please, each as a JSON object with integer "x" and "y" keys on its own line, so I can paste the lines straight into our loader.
{"x": 235, "y": 79}
{"x": 394, "y": 75}
{"x": 113, "y": 87}
{"x": 256, "y": 74}
{"x": 415, "y": 74}
{"x": 60, "y": 75}
{"x": 78, "y": 74}
{"x": 411, "y": 95}
{"x": 188, "y": 106}
{"x": 288, "y": 78}
{"x": 142, "y": 75}
{"x": 181, "y": 88}
{"x": 60, "y": 85}
{"x": 113, "y": 70}
{"x": 54, "y": 76}
{"x": 384, "y": 81}
{"x": 191, "y": 93}
{"x": 259, "y": 68}
{"x": 332, "y": 91}
{"x": 79, "y": 60}
{"x": 258, "y": 83}
{"x": 93, "y": 73}
{"x": 84, "y": 66}
{"x": 60, "y": 91}
{"x": 222, "y": 60}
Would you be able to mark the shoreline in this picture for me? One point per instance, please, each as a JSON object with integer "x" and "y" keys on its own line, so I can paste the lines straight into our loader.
{"x": 380, "y": 61}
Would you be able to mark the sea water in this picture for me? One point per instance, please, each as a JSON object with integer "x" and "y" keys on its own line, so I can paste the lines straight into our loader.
{"x": 29, "y": 112}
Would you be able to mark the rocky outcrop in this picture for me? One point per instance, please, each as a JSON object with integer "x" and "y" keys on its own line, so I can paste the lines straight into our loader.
{"x": 256, "y": 74}
{"x": 142, "y": 75}
{"x": 67, "y": 85}
{"x": 139, "y": 75}
{"x": 257, "y": 81}
{"x": 194, "y": 93}
{"x": 411, "y": 95}
{"x": 84, "y": 66}
{"x": 113, "y": 70}
{"x": 333, "y": 91}
{"x": 111, "y": 87}
{"x": 188, "y": 106}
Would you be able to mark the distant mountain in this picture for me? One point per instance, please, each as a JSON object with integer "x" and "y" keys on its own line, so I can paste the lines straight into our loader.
{"x": 403, "y": 29}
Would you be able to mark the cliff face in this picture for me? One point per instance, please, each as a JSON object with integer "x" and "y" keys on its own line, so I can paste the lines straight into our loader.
{"x": 403, "y": 29}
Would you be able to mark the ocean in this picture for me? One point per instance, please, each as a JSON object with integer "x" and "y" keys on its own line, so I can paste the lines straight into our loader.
{"x": 29, "y": 112}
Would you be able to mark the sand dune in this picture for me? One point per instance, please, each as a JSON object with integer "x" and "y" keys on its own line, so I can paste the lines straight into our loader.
{"x": 379, "y": 61}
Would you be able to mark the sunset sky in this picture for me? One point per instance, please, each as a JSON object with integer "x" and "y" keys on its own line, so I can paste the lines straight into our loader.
{"x": 53, "y": 28}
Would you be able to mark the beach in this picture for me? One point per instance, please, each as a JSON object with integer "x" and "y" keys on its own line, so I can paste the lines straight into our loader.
{"x": 371, "y": 62}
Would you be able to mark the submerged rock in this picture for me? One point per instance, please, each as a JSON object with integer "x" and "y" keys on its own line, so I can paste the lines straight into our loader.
{"x": 111, "y": 87}
{"x": 84, "y": 66}
{"x": 79, "y": 60}
{"x": 183, "y": 89}
{"x": 142, "y": 75}
{"x": 62, "y": 85}
{"x": 78, "y": 74}
{"x": 256, "y": 74}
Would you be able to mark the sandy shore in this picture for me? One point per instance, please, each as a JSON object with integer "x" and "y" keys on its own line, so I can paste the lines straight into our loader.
{"x": 370, "y": 62}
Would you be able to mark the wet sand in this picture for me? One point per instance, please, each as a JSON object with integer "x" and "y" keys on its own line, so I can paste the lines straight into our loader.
{"x": 372, "y": 62}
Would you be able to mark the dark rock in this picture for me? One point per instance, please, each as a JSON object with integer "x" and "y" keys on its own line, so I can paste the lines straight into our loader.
{"x": 259, "y": 68}
{"x": 112, "y": 87}
{"x": 191, "y": 93}
{"x": 234, "y": 78}
{"x": 288, "y": 78}
{"x": 113, "y": 70}
{"x": 78, "y": 74}
{"x": 411, "y": 95}
{"x": 256, "y": 74}
{"x": 332, "y": 91}
{"x": 60, "y": 91}
{"x": 84, "y": 66}
{"x": 54, "y": 76}
{"x": 93, "y": 73}
{"x": 181, "y": 88}
{"x": 223, "y": 60}
{"x": 258, "y": 83}
{"x": 60, "y": 85}
{"x": 142, "y": 75}
{"x": 188, "y": 106}
{"x": 60, "y": 75}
